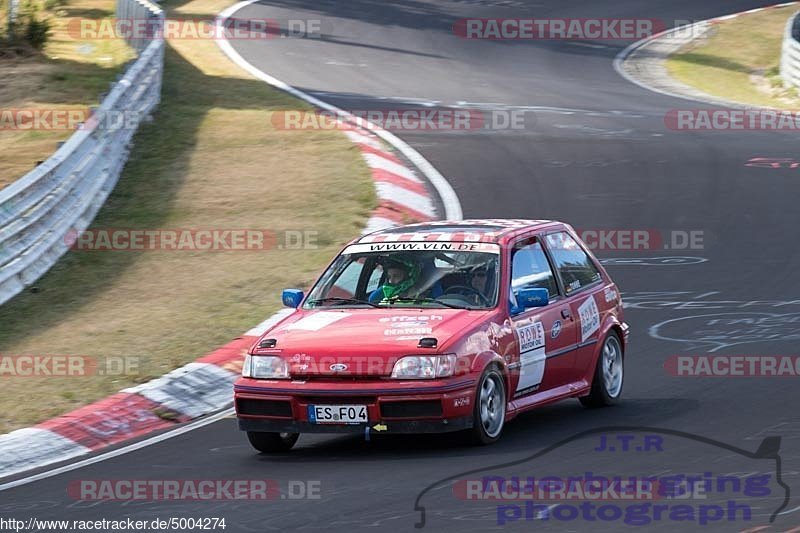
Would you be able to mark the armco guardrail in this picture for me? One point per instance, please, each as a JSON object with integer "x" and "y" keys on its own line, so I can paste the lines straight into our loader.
{"x": 41, "y": 211}
{"x": 790, "y": 54}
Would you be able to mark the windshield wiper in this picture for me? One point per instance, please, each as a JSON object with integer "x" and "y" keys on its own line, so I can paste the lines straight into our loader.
{"x": 430, "y": 301}
{"x": 342, "y": 300}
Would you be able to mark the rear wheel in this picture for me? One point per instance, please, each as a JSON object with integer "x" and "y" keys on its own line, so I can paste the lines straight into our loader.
{"x": 272, "y": 442}
{"x": 489, "y": 413}
{"x": 608, "y": 375}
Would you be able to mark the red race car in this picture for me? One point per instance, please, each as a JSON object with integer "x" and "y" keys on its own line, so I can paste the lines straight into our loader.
{"x": 435, "y": 327}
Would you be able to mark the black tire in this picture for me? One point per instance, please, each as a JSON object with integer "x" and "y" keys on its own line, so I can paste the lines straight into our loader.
{"x": 605, "y": 390}
{"x": 272, "y": 442}
{"x": 487, "y": 426}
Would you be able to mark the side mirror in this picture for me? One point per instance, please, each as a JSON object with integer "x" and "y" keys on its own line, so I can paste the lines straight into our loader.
{"x": 527, "y": 298}
{"x": 292, "y": 298}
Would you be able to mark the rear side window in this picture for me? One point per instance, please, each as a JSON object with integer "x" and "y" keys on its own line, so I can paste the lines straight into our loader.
{"x": 576, "y": 268}
{"x": 530, "y": 270}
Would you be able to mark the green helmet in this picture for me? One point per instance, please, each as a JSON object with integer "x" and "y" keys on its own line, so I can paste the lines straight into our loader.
{"x": 412, "y": 270}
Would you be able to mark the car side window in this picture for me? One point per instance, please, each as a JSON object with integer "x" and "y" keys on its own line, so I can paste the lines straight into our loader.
{"x": 531, "y": 270}
{"x": 574, "y": 265}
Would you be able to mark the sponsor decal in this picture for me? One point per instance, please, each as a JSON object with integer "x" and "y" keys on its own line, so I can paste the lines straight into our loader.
{"x": 611, "y": 295}
{"x": 556, "y": 329}
{"x": 590, "y": 318}
{"x": 652, "y": 261}
{"x": 408, "y": 331}
{"x": 531, "y": 337}
{"x": 461, "y": 402}
{"x": 411, "y": 320}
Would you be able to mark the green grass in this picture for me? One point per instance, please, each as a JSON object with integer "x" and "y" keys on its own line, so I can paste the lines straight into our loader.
{"x": 211, "y": 159}
{"x": 68, "y": 73}
{"x": 740, "y": 61}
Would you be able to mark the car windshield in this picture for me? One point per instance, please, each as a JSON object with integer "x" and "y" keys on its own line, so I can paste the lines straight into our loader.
{"x": 426, "y": 274}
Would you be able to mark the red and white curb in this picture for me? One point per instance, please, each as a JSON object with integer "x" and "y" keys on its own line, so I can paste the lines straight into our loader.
{"x": 653, "y": 77}
{"x": 205, "y": 386}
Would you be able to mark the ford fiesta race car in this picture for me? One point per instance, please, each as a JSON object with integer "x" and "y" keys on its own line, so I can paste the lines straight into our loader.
{"x": 437, "y": 327}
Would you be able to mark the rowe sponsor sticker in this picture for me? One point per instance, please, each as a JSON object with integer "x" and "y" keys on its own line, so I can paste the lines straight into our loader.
{"x": 531, "y": 337}
{"x": 590, "y": 318}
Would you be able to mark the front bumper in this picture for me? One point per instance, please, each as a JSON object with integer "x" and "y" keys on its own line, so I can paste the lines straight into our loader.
{"x": 392, "y": 407}
{"x": 395, "y": 426}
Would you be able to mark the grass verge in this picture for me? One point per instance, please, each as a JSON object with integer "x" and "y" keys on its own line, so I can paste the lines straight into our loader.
{"x": 740, "y": 60}
{"x": 211, "y": 159}
{"x": 70, "y": 73}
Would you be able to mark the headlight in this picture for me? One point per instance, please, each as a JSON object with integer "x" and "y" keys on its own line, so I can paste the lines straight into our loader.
{"x": 265, "y": 367}
{"x": 424, "y": 367}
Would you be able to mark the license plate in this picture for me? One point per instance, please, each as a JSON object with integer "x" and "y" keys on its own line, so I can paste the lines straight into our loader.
{"x": 337, "y": 414}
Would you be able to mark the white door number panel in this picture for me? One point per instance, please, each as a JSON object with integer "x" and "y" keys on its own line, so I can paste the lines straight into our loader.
{"x": 532, "y": 355}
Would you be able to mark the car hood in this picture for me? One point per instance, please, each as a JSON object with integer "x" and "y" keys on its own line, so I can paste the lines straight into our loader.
{"x": 366, "y": 341}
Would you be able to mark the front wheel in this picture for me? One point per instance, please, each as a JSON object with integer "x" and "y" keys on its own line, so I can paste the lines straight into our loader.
{"x": 489, "y": 413}
{"x": 272, "y": 442}
{"x": 608, "y": 375}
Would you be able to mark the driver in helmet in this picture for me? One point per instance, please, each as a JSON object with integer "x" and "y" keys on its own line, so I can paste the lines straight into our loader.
{"x": 478, "y": 280}
{"x": 402, "y": 273}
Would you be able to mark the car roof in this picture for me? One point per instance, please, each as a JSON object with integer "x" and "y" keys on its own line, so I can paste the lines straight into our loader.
{"x": 483, "y": 230}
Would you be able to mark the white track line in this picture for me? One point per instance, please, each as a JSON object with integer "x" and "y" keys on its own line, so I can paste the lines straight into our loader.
{"x": 121, "y": 451}
{"x": 452, "y": 206}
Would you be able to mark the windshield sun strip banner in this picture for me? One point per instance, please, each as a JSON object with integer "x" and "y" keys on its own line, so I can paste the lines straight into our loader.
{"x": 423, "y": 247}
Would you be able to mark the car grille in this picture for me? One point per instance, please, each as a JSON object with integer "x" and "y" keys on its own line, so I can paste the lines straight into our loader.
{"x": 412, "y": 409}
{"x": 274, "y": 408}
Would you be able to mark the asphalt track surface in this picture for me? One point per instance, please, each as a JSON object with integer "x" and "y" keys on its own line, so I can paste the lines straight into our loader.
{"x": 595, "y": 153}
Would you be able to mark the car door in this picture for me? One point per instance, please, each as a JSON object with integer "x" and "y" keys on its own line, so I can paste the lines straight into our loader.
{"x": 546, "y": 336}
{"x": 581, "y": 280}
